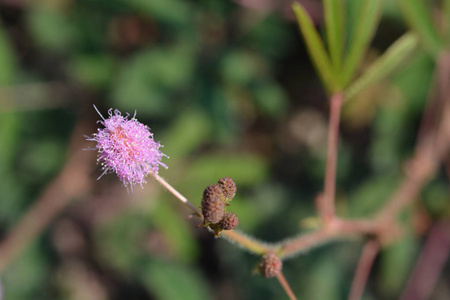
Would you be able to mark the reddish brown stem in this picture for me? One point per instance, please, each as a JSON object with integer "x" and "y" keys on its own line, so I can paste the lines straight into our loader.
{"x": 443, "y": 132}
{"x": 338, "y": 229}
{"x": 427, "y": 156}
{"x": 447, "y": 167}
{"x": 365, "y": 263}
{"x": 429, "y": 152}
{"x": 286, "y": 286}
{"x": 430, "y": 263}
{"x": 326, "y": 209}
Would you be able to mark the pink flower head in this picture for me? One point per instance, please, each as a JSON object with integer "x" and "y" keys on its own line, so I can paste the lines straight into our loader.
{"x": 127, "y": 148}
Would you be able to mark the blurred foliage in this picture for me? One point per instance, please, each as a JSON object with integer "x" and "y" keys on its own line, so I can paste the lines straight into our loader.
{"x": 229, "y": 90}
{"x": 7, "y": 60}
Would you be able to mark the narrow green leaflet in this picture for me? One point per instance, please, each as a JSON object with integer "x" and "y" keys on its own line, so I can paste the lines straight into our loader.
{"x": 334, "y": 23}
{"x": 315, "y": 47}
{"x": 391, "y": 59}
{"x": 418, "y": 15}
{"x": 365, "y": 29}
{"x": 352, "y": 13}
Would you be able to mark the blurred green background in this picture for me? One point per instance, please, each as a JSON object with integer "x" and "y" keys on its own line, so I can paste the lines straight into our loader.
{"x": 228, "y": 89}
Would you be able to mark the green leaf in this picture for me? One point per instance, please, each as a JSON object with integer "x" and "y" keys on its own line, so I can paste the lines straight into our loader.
{"x": 92, "y": 70}
{"x": 334, "y": 22}
{"x": 31, "y": 268}
{"x": 170, "y": 281}
{"x": 13, "y": 200}
{"x": 315, "y": 48}
{"x": 370, "y": 195}
{"x": 414, "y": 82}
{"x": 7, "y": 60}
{"x": 176, "y": 230}
{"x": 396, "y": 264}
{"x": 120, "y": 239}
{"x": 366, "y": 25}
{"x": 394, "y": 56}
{"x": 146, "y": 80}
{"x": 324, "y": 280}
{"x": 419, "y": 17}
{"x": 435, "y": 199}
{"x": 186, "y": 134}
{"x": 271, "y": 99}
{"x": 270, "y": 36}
{"x": 172, "y": 11}
{"x": 242, "y": 67}
{"x": 51, "y": 29}
{"x": 245, "y": 169}
{"x": 385, "y": 149}
{"x": 352, "y": 13}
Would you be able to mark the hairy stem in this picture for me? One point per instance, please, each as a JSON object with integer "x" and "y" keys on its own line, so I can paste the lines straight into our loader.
{"x": 338, "y": 229}
{"x": 246, "y": 242}
{"x": 326, "y": 208}
{"x": 430, "y": 263}
{"x": 286, "y": 286}
{"x": 369, "y": 252}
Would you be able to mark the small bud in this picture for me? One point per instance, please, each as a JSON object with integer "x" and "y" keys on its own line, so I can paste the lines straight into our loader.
{"x": 229, "y": 222}
{"x": 270, "y": 265}
{"x": 213, "y": 205}
{"x": 214, "y": 191}
{"x": 229, "y": 187}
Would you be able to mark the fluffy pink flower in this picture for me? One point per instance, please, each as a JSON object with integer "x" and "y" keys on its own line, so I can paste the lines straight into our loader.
{"x": 127, "y": 148}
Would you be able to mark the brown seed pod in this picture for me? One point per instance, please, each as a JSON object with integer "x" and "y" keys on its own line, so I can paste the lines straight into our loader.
{"x": 270, "y": 265}
{"x": 213, "y": 206}
{"x": 229, "y": 222}
{"x": 229, "y": 187}
{"x": 214, "y": 191}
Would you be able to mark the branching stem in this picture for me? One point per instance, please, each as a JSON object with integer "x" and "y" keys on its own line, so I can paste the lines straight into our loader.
{"x": 429, "y": 153}
{"x": 250, "y": 244}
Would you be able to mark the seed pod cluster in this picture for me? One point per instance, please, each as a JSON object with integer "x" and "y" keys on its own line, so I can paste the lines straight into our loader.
{"x": 216, "y": 199}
